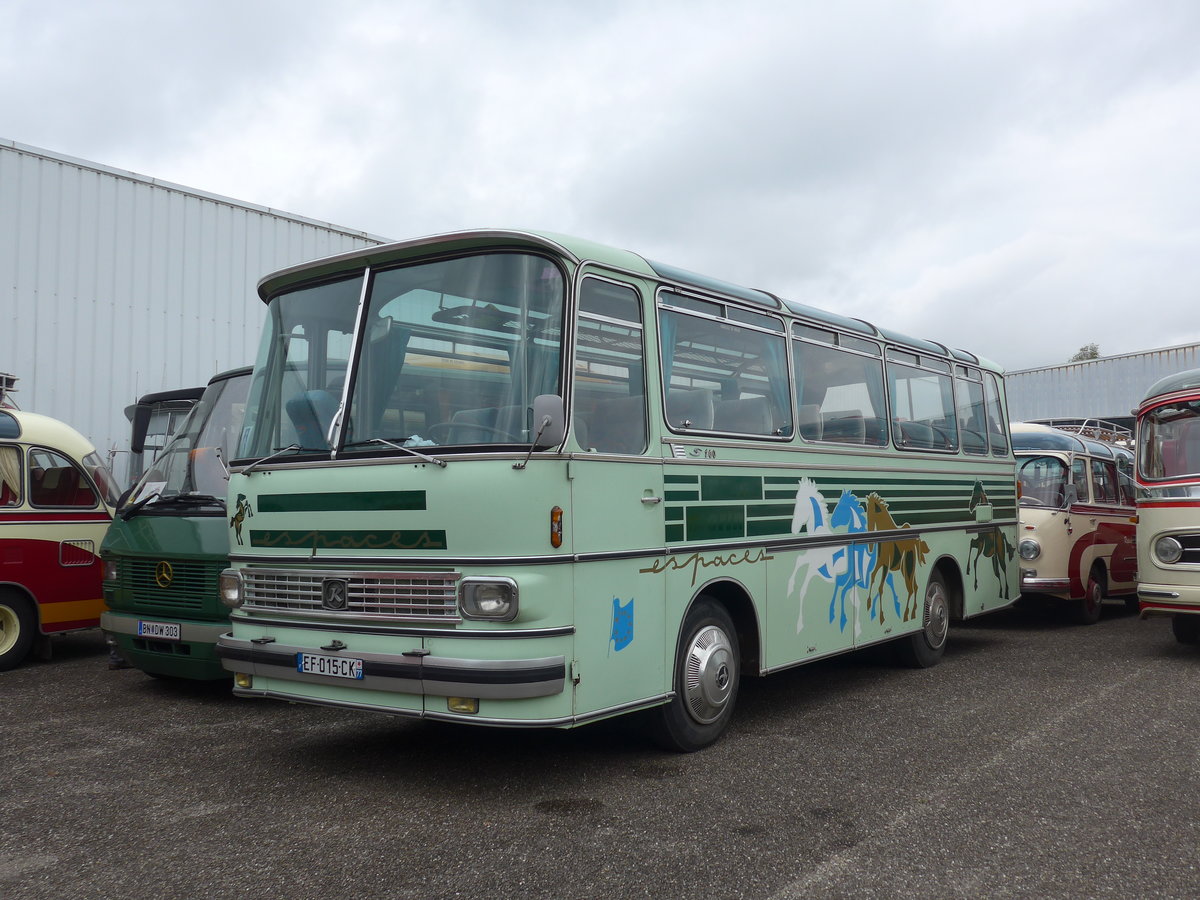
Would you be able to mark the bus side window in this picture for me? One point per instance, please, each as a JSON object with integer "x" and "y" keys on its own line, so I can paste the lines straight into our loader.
{"x": 1079, "y": 477}
{"x": 56, "y": 482}
{"x": 610, "y": 390}
{"x": 1104, "y": 479}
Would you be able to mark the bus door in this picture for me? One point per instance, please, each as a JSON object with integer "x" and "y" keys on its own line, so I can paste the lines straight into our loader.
{"x": 1114, "y": 530}
{"x": 617, "y": 503}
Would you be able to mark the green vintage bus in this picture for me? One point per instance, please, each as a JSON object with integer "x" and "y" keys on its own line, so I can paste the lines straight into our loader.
{"x": 522, "y": 479}
{"x": 170, "y": 540}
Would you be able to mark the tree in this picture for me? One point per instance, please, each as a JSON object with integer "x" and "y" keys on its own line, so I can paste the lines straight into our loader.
{"x": 1087, "y": 351}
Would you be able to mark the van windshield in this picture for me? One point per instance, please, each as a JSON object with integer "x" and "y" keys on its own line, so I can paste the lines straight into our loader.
{"x": 193, "y": 462}
{"x": 1043, "y": 481}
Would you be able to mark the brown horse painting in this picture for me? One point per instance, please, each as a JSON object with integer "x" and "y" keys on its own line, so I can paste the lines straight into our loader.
{"x": 902, "y": 556}
{"x": 992, "y": 543}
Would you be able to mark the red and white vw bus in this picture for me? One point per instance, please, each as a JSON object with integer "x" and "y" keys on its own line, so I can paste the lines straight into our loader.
{"x": 56, "y": 502}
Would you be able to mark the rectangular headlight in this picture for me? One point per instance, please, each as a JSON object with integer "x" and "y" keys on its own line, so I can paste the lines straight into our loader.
{"x": 494, "y": 599}
{"x": 229, "y": 585}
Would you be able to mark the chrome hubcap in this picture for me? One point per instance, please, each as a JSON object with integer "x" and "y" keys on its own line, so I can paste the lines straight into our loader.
{"x": 708, "y": 674}
{"x": 9, "y": 629}
{"x": 937, "y": 615}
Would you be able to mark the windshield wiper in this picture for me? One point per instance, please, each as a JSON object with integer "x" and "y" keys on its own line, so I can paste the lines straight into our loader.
{"x": 279, "y": 452}
{"x": 394, "y": 446}
{"x": 190, "y": 498}
{"x": 132, "y": 509}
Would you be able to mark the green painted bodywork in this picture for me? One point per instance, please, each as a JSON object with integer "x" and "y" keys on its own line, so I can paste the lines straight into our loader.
{"x": 197, "y": 548}
{"x": 643, "y": 536}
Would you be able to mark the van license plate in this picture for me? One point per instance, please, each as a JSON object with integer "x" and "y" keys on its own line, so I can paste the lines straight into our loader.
{"x": 337, "y": 666}
{"x": 160, "y": 631}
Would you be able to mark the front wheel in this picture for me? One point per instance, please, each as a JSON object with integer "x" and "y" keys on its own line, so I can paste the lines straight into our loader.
{"x": 17, "y": 626}
{"x": 707, "y": 673}
{"x": 1088, "y": 610}
{"x": 925, "y": 647}
{"x": 1186, "y": 628}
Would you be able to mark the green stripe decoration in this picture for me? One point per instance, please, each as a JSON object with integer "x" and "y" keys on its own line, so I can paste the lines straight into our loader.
{"x": 362, "y": 501}
{"x": 350, "y": 540}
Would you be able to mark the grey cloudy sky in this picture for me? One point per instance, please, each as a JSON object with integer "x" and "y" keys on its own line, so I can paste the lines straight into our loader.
{"x": 1017, "y": 178}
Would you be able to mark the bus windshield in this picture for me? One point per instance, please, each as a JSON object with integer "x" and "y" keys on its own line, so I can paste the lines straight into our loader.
{"x": 192, "y": 462}
{"x": 1043, "y": 481}
{"x": 1169, "y": 442}
{"x": 452, "y": 354}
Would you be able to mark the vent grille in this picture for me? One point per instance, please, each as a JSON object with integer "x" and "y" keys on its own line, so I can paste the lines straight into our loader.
{"x": 411, "y": 596}
{"x": 192, "y": 585}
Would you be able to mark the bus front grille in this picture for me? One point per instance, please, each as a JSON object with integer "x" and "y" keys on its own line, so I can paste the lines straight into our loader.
{"x": 169, "y": 584}
{"x": 411, "y": 596}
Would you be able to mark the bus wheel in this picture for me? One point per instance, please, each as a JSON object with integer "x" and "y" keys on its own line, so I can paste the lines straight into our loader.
{"x": 706, "y": 681}
{"x": 17, "y": 627}
{"x": 925, "y": 647}
{"x": 1088, "y": 610}
{"x": 1186, "y": 628}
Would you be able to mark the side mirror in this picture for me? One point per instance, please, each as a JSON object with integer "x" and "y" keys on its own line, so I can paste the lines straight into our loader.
{"x": 549, "y": 421}
{"x": 1071, "y": 496}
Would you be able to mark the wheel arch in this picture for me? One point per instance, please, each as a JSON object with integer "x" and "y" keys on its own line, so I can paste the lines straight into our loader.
{"x": 947, "y": 567}
{"x": 20, "y": 592}
{"x": 735, "y": 598}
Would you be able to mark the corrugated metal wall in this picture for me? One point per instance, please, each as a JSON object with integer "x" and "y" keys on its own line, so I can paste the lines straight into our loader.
{"x": 1106, "y": 388}
{"x": 114, "y": 285}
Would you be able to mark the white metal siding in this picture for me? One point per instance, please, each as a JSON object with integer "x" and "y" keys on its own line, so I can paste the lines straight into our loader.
{"x": 1105, "y": 388}
{"x": 114, "y": 285}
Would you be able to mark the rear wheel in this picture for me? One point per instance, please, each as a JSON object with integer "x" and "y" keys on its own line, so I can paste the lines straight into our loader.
{"x": 925, "y": 648}
{"x": 1186, "y": 628}
{"x": 1088, "y": 610}
{"x": 18, "y": 625}
{"x": 707, "y": 673}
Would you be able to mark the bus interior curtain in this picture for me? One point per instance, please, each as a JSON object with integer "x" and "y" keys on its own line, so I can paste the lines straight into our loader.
{"x": 387, "y": 365}
{"x": 669, "y": 328}
{"x": 10, "y": 471}
{"x": 777, "y": 382}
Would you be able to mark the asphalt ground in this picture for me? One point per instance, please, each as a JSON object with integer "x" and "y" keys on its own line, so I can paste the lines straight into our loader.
{"x": 1039, "y": 759}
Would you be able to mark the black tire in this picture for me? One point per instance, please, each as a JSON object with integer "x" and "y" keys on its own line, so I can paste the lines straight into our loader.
{"x": 18, "y": 625}
{"x": 1088, "y": 609}
{"x": 924, "y": 648}
{"x": 707, "y": 676}
{"x": 1186, "y": 628}
{"x": 1131, "y": 604}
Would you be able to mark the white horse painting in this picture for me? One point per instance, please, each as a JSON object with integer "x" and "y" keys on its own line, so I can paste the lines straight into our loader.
{"x": 811, "y": 516}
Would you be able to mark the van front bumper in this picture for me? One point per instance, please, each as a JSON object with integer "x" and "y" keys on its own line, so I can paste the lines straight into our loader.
{"x": 402, "y": 673}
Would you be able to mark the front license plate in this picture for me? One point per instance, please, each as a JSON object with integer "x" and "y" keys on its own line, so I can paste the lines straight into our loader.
{"x": 161, "y": 631}
{"x": 337, "y": 666}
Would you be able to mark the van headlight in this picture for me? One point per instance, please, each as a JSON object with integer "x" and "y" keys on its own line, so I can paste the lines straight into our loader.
{"x": 229, "y": 585}
{"x": 112, "y": 571}
{"x": 1168, "y": 550}
{"x": 1029, "y": 549}
{"x": 494, "y": 599}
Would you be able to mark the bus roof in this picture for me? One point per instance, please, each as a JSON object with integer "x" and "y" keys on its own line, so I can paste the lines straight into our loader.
{"x": 578, "y": 250}
{"x": 1027, "y": 436}
{"x": 1180, "y": 381}
{"x": 32, "y": 428}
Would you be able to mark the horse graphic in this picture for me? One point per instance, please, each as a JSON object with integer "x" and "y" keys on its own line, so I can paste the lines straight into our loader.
{"x": 993, "y": 543}
{"x": 848, "y": 514}
{"x": 811, "y": 515}
{"x": 903, "y": 556}
{"x": 242, "y": 512}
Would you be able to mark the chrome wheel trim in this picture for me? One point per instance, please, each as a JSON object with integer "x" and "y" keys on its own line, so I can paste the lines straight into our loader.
{"x": 936, "y": 621}
{"x": 709, "y": 675}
